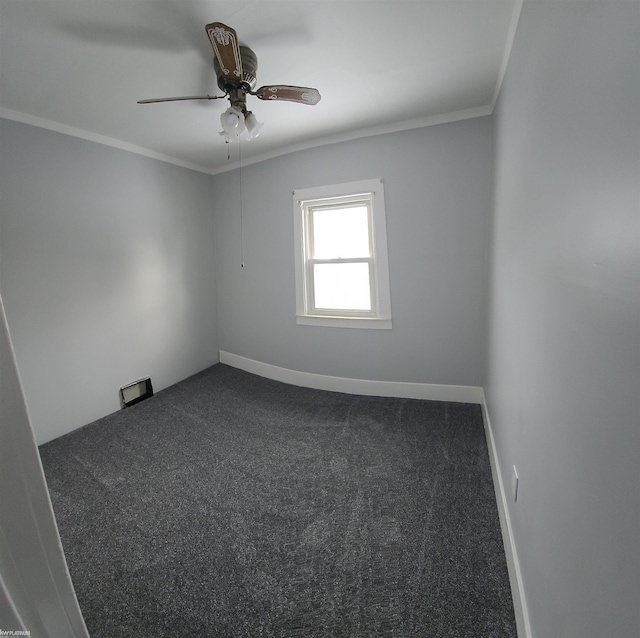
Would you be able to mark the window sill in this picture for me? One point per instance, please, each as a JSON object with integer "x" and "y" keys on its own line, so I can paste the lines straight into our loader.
{"x": 368, "y": 323}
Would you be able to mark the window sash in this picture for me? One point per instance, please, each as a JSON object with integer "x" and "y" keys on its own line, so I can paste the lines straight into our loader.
{"x": 342, "y": 312}
{"x": 309, "y": 207}
{"x": 312, "y": 209}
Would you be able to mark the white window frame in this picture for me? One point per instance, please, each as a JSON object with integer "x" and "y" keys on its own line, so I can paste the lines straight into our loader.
{"x": 305, "y": 200}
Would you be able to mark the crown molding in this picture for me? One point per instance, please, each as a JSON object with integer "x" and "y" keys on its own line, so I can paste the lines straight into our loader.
{"x": 372, "y": 131}
{"x": 395, "y": 127}
{"x": 24, "y": 118}
{"x": 511, "y": 34}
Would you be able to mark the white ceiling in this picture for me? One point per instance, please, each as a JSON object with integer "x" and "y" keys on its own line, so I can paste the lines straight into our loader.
{"x": 79, "y": 66}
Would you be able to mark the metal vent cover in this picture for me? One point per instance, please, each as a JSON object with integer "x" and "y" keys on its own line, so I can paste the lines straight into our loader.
{"x": 135, "y": 392}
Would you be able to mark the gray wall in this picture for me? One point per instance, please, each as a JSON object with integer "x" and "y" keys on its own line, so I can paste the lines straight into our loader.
{"x": 564, "y": 342}
{"x": 106, "y": 270}
{"x": 437, "y": 192}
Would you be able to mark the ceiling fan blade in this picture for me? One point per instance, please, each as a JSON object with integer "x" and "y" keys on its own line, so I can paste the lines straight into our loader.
{"x": 224, "y": 43}
{"x": 300, "y": 94}
{"x": 176, "y": 99}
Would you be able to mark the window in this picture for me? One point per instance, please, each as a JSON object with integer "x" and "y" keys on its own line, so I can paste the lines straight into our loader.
{"x": 342, "y": 276}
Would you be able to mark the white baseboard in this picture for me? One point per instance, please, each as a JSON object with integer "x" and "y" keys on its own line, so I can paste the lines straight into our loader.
{"x": 513, "y": 565}
{"x": 426, "y": 391}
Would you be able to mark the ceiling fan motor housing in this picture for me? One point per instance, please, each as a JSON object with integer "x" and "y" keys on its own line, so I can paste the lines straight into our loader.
{"x": 249, "y": 71}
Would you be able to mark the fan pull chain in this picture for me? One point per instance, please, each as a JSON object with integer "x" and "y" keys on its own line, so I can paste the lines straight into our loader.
{"x": 241, "y": 215}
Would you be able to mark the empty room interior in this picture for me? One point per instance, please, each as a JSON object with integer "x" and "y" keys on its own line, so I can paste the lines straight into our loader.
{"x": 205, "y": 432}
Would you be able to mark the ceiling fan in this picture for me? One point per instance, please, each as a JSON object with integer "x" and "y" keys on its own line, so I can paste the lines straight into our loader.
{"x": 236, "y": 68}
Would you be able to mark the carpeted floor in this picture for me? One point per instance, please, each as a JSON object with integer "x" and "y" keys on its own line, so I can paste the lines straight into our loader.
{"x": 230, "y": 505}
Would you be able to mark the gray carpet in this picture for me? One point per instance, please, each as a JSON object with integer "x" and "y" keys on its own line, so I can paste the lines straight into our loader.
{"x": 232, "y": 505}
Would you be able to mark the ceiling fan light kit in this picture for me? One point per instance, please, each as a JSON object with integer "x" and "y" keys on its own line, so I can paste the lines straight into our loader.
{"x": 236, "y": 71}
{"x": 234, "y": 123}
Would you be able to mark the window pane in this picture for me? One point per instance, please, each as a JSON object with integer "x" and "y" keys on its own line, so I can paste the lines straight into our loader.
{"x": 341, "y": 232}
{"x": 342, "y": 286}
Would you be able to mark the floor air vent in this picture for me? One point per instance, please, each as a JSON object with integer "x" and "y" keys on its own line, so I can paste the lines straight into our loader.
{"x": 135, "y": 392}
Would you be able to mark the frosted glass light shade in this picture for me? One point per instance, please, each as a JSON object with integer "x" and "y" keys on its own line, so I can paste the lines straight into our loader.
{"x": 253, "y": 126}
{"x": 232, "y": 121}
